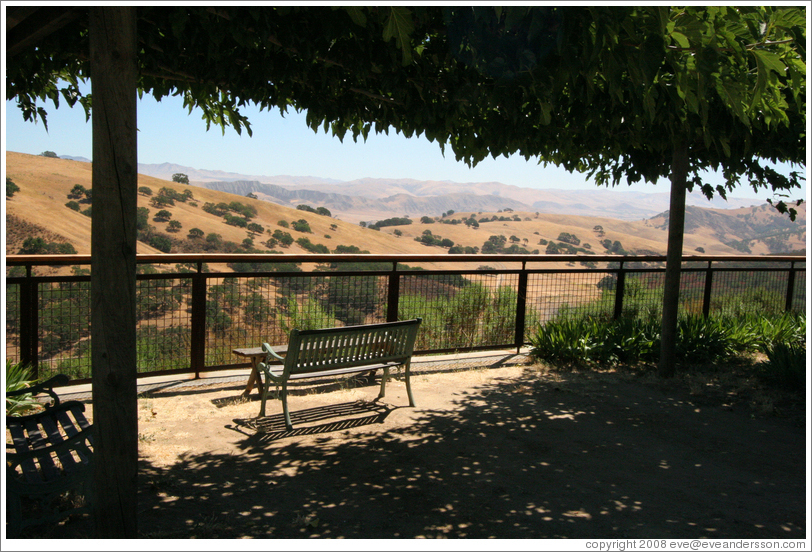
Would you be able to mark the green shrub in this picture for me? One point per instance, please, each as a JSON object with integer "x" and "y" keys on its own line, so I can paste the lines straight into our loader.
{"x": 703, "y": 340}
{"x": 284, "y": 238}
{"x": 232, "y": 220}
{"x": 763, "y": 332}
{"x": 141, "y": 218}
{"x": 215, "y": 210}
{"x": 301, "y": 225}
{"x": 307, "y": 245}
{"x": 587, "y": 340}
{"x": 785, "y": 366}
{"x": 77, "y": 192}
{"x": 11, "y": 187}
{"x": 310, "y": 315}
{"x": 161, "y": 243}
{"x": 74, "y": 205}
{"x": 38, "y": 246}
{"x": 162, "y": 349}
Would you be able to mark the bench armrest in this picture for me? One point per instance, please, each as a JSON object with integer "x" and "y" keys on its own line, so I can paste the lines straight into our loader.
{"x": 43, "y": 387}
{"x": 269, "y": 350}
{"x": 264, "y": 366}
{"x": 48, "y": 412}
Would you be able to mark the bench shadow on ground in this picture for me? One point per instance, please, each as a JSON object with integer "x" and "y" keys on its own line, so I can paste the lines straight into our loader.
{"x": 510, "y": 459}
{"x": 343, "y": 416}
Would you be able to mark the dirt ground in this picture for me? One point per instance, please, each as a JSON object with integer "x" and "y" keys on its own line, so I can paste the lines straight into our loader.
{"x": 517, "y": 451}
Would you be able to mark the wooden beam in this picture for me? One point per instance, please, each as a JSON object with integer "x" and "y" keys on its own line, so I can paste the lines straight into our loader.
{"x": 25, "y": 26}
{"x": 112, "y": 277}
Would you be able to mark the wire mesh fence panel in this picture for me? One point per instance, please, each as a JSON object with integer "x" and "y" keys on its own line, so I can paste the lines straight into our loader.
{"x": 571, "y": 294}
{"x": 643, "y": 295}
{"x": 13, "y": 322}
{"x": 64, "y": 328}
{"x": 798, "y": 303}
{"x": 691, "y": 292}
{"x": 345, "y": 300}
{"x": 226, "y": 320}
{"x": 741, "y": 292}
{"x": 163, "y": 327}
{"x": 460, "y": 311}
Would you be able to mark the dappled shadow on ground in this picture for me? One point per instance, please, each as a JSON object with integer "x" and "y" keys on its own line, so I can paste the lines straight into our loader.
{"x": 517, "y": 458}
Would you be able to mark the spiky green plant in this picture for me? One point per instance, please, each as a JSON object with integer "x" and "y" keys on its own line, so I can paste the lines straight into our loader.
{"x": 19, "y": 376}
{"x": 703, "y": 340}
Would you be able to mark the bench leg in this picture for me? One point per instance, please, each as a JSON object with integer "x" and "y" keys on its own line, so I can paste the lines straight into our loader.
{"x": 408, "y": 384}
{"x": 14, "y": 516}
{"x": 264, "y": 396}
{"x": 384, "y": 377}
{"x": 284, "y": 397}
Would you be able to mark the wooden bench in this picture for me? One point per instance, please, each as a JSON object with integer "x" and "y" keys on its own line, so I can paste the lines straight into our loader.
{"x": 339, "y": 351}
{"x": 51, "y": 453}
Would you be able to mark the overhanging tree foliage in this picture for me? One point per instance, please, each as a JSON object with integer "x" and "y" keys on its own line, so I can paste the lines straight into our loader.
{"x": 602, "y": 90}
{"x": 639, "y": 93}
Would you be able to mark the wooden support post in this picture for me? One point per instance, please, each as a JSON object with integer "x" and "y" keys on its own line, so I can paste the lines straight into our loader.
{"x": 112, "y": 34}
{"x": 521, "y": 309}
{"x": 706, "y": 298}
{"x": 393, "y": 296}
{"x": 790, "y": 287}
{"x": 620, "y": 291}
{"x": 198, "y": 342}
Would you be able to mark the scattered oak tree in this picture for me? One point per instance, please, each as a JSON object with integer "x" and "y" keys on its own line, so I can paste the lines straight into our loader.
{"x": 11, "y": 187}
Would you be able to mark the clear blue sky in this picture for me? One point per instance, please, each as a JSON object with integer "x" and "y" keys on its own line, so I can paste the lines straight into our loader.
{"x": 286, "y": 146}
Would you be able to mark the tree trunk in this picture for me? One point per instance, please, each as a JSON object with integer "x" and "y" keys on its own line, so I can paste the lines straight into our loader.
{"x": 112, "y": 33}
{"x": 673, "y": 262}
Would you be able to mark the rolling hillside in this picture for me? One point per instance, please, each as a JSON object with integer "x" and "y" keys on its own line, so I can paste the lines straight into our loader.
{"x": 351, "y": 200}
{"x": 39, "y": 209}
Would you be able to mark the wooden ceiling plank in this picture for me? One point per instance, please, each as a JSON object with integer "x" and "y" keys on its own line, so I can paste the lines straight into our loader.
{"x": 38, "y": 25}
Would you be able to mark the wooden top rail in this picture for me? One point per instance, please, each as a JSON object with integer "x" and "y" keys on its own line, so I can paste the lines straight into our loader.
{"x": 54, "y": 260}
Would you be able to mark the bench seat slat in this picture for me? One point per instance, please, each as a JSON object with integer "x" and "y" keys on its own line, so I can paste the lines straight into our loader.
{"x": 20, "y": 440}
{"x": 338, "y": 371}
{"x": 55, "y": 437}
{"x": 77, "y": 410}
{"x": 38, "y": 441}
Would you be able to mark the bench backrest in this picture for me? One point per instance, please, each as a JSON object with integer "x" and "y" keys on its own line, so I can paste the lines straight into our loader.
{"x": 350, "y": 346}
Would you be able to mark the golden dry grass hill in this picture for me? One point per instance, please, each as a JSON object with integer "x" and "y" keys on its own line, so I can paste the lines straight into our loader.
{"x": 39, "y": 209}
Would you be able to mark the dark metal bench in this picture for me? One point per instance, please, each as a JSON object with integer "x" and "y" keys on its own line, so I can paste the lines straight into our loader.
{"x": 340, "y": 351}
{"x": 51, "y": 453}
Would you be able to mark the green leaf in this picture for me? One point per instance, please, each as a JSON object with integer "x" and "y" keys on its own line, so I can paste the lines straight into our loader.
{"x": 766, "y": 62}
{"x": 357, "y": 15}
{"x": 770, "y": 60}
{"x": 400, "y": 26}
{"x": 681, "y": 39}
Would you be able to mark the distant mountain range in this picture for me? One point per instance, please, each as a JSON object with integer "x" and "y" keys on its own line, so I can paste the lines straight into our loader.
{"x": 371, "y": 199}
{"x": 39, "y": 209}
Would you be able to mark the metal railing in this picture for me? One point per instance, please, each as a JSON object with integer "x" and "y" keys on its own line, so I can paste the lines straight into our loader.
{"x": 191, "y": 316}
